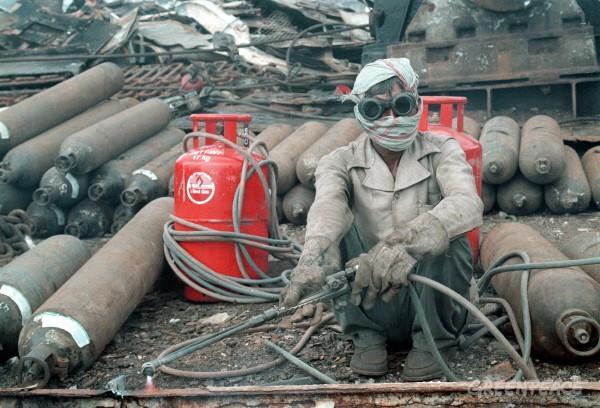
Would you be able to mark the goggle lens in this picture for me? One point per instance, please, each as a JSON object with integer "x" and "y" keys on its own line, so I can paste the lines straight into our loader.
{"x": 372, "y": 108}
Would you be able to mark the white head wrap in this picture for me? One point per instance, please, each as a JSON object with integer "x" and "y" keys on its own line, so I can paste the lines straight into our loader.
{"x": 393, "y": 133}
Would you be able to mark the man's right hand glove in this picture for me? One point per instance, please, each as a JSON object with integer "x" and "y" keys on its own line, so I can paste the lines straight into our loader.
{"x": 320, "y": 258}
{"x": 304, "y": 280}
{"x": 383, "y": 271}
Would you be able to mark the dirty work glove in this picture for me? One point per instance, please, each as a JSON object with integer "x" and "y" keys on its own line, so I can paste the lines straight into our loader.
{"x": 383, "y": 271}
{"x": 422, "y": 237}
{"x": 304, "y": 280}
{"x": 319, "y": 258}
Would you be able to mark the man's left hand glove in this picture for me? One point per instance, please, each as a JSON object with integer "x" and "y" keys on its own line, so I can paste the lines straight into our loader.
{"x": 423, "y": 237}
{"x": 383, "y": 271}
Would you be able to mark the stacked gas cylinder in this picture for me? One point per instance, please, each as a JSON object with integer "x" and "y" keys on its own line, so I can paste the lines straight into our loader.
{"x": 58, "y": 147}
{"x": 88, "y": 162}
{"x": 297, "y": 153}
{"x": 525, "y": 168}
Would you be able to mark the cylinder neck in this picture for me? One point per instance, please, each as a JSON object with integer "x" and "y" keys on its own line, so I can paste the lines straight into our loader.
{"x": 132, "y": 196}
{"x": 578, "y": 332}
{"x": 569, "y": 199}
{"x": 38, "y": 225}
{"x": 298, "y": 211}
{"x": 495, "y": 168}
{"x": 46, "y": 195}
{"x": 65, "y": 162}
{"x": 543, "y": 165}
{"x": 101, "y": 189}
{"x": 519, "y": 200}
{"x": 7, "y": 176}
{"x": 77, "y": 229}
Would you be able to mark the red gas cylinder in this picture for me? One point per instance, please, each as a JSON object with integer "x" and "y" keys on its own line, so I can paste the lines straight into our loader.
{"x": 206, "y": 179}
{"x": 471, "y": 147}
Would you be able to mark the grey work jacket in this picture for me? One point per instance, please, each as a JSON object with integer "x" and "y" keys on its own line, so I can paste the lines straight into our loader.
{"x": 354, "y": 185}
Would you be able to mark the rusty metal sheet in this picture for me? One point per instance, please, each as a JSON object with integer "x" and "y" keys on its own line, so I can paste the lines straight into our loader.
{"x": 453, "y": 42}
{"x": 581, "y": 130}
{"x": 501, "y": 58}
{"x": 169, "y": 33}
{"x": 465, "y": 394}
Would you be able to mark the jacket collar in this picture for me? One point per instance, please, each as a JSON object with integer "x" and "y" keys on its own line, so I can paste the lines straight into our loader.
{"x": 378, "y": 176}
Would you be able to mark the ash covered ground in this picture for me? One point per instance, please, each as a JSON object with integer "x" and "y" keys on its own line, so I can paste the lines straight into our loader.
{"x": 164, "y": 319}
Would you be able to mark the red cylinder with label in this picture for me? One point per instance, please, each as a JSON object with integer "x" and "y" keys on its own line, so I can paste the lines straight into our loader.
{"x": 450, "y": 106}
{"x": 205, "y": 180}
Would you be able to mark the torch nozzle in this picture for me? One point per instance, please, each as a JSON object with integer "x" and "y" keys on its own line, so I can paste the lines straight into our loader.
{"x": 149, "y": 368}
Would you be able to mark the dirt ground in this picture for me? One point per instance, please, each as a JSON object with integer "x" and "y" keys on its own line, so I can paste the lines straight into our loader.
{"x": 164, "y": 319}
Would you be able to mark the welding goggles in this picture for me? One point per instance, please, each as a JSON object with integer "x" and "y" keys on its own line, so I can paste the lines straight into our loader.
{"x": 372, "y": 108}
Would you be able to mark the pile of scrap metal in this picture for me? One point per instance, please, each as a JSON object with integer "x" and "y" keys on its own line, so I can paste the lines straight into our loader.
{"x": 243, "y": 45}
{"x": 78, "y": 154}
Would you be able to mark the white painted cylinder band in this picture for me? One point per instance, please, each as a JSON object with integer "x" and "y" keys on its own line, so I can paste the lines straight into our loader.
{"x": 17, "y": 297}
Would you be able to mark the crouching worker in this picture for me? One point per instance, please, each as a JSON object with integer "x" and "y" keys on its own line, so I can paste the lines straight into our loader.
{"x": 402, "y": 201}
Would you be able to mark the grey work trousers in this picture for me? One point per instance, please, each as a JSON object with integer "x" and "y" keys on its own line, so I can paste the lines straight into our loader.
{"x": 396, "y": 321}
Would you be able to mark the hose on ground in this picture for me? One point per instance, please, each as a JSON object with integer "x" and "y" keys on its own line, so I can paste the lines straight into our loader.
{"x": 243, "y": 371}
{"x": 525, "y": 314}
{"x": 529, "y": 374}
{"x": 189, "y": 346}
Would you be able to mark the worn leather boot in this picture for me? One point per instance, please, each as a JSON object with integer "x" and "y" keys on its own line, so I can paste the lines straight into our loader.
{"x": 370, "y": 360}
{"x": 421, "y": 365}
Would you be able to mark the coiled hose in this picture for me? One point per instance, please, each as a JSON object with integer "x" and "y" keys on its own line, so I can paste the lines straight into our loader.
{"x": 230, "y": 288}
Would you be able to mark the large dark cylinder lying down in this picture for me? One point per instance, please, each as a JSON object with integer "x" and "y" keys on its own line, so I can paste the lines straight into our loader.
{"x": 520, "y": 196}
{"x": 541, "y": 155}
{"x": 591, "y": 165}
{"x": 340, "y": 134}
{"x": 70, "y": 330}
{"x": 25, "y": 164}
{"x": 288, "y": 151}
{"x": 584, "y": 245}
{"x": 500, "y": 139}
{"x": 571, "y": 192}
{"x": 42, "y": 111}
{"x": 297, "y": 202}
{"x": 564, "y": 302}
{"x": 30, "y": 279}
{"x": 108, "y": 181}
{"x": 93, "y": 146}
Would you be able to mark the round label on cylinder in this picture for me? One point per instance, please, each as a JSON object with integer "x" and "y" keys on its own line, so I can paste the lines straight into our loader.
{"x": 200, "y": 188}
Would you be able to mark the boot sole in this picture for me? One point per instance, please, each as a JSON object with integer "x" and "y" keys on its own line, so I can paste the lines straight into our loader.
{"x": 426, "y": 377}
{"x": 369, "y": 373}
